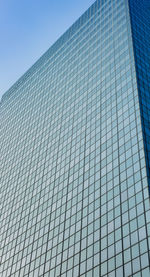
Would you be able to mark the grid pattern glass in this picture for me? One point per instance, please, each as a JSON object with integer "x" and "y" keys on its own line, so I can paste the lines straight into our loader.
{"x": 74, "y": 193}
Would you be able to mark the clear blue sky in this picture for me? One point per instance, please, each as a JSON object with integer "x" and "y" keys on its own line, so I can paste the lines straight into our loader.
{"x": 28, "y": 28}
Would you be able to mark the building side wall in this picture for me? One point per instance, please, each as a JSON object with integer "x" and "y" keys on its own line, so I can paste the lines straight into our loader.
{"x": 140, "y": 24}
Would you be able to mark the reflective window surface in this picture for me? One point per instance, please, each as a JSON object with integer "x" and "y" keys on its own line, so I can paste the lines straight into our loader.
{"x": 74, "y": 193}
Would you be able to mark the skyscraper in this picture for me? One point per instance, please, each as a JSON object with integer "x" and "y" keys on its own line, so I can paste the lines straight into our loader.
{"x": 75, "y": 149}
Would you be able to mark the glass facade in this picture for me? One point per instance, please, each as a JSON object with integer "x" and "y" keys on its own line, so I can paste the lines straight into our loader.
{"x": 75, "y": 153}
